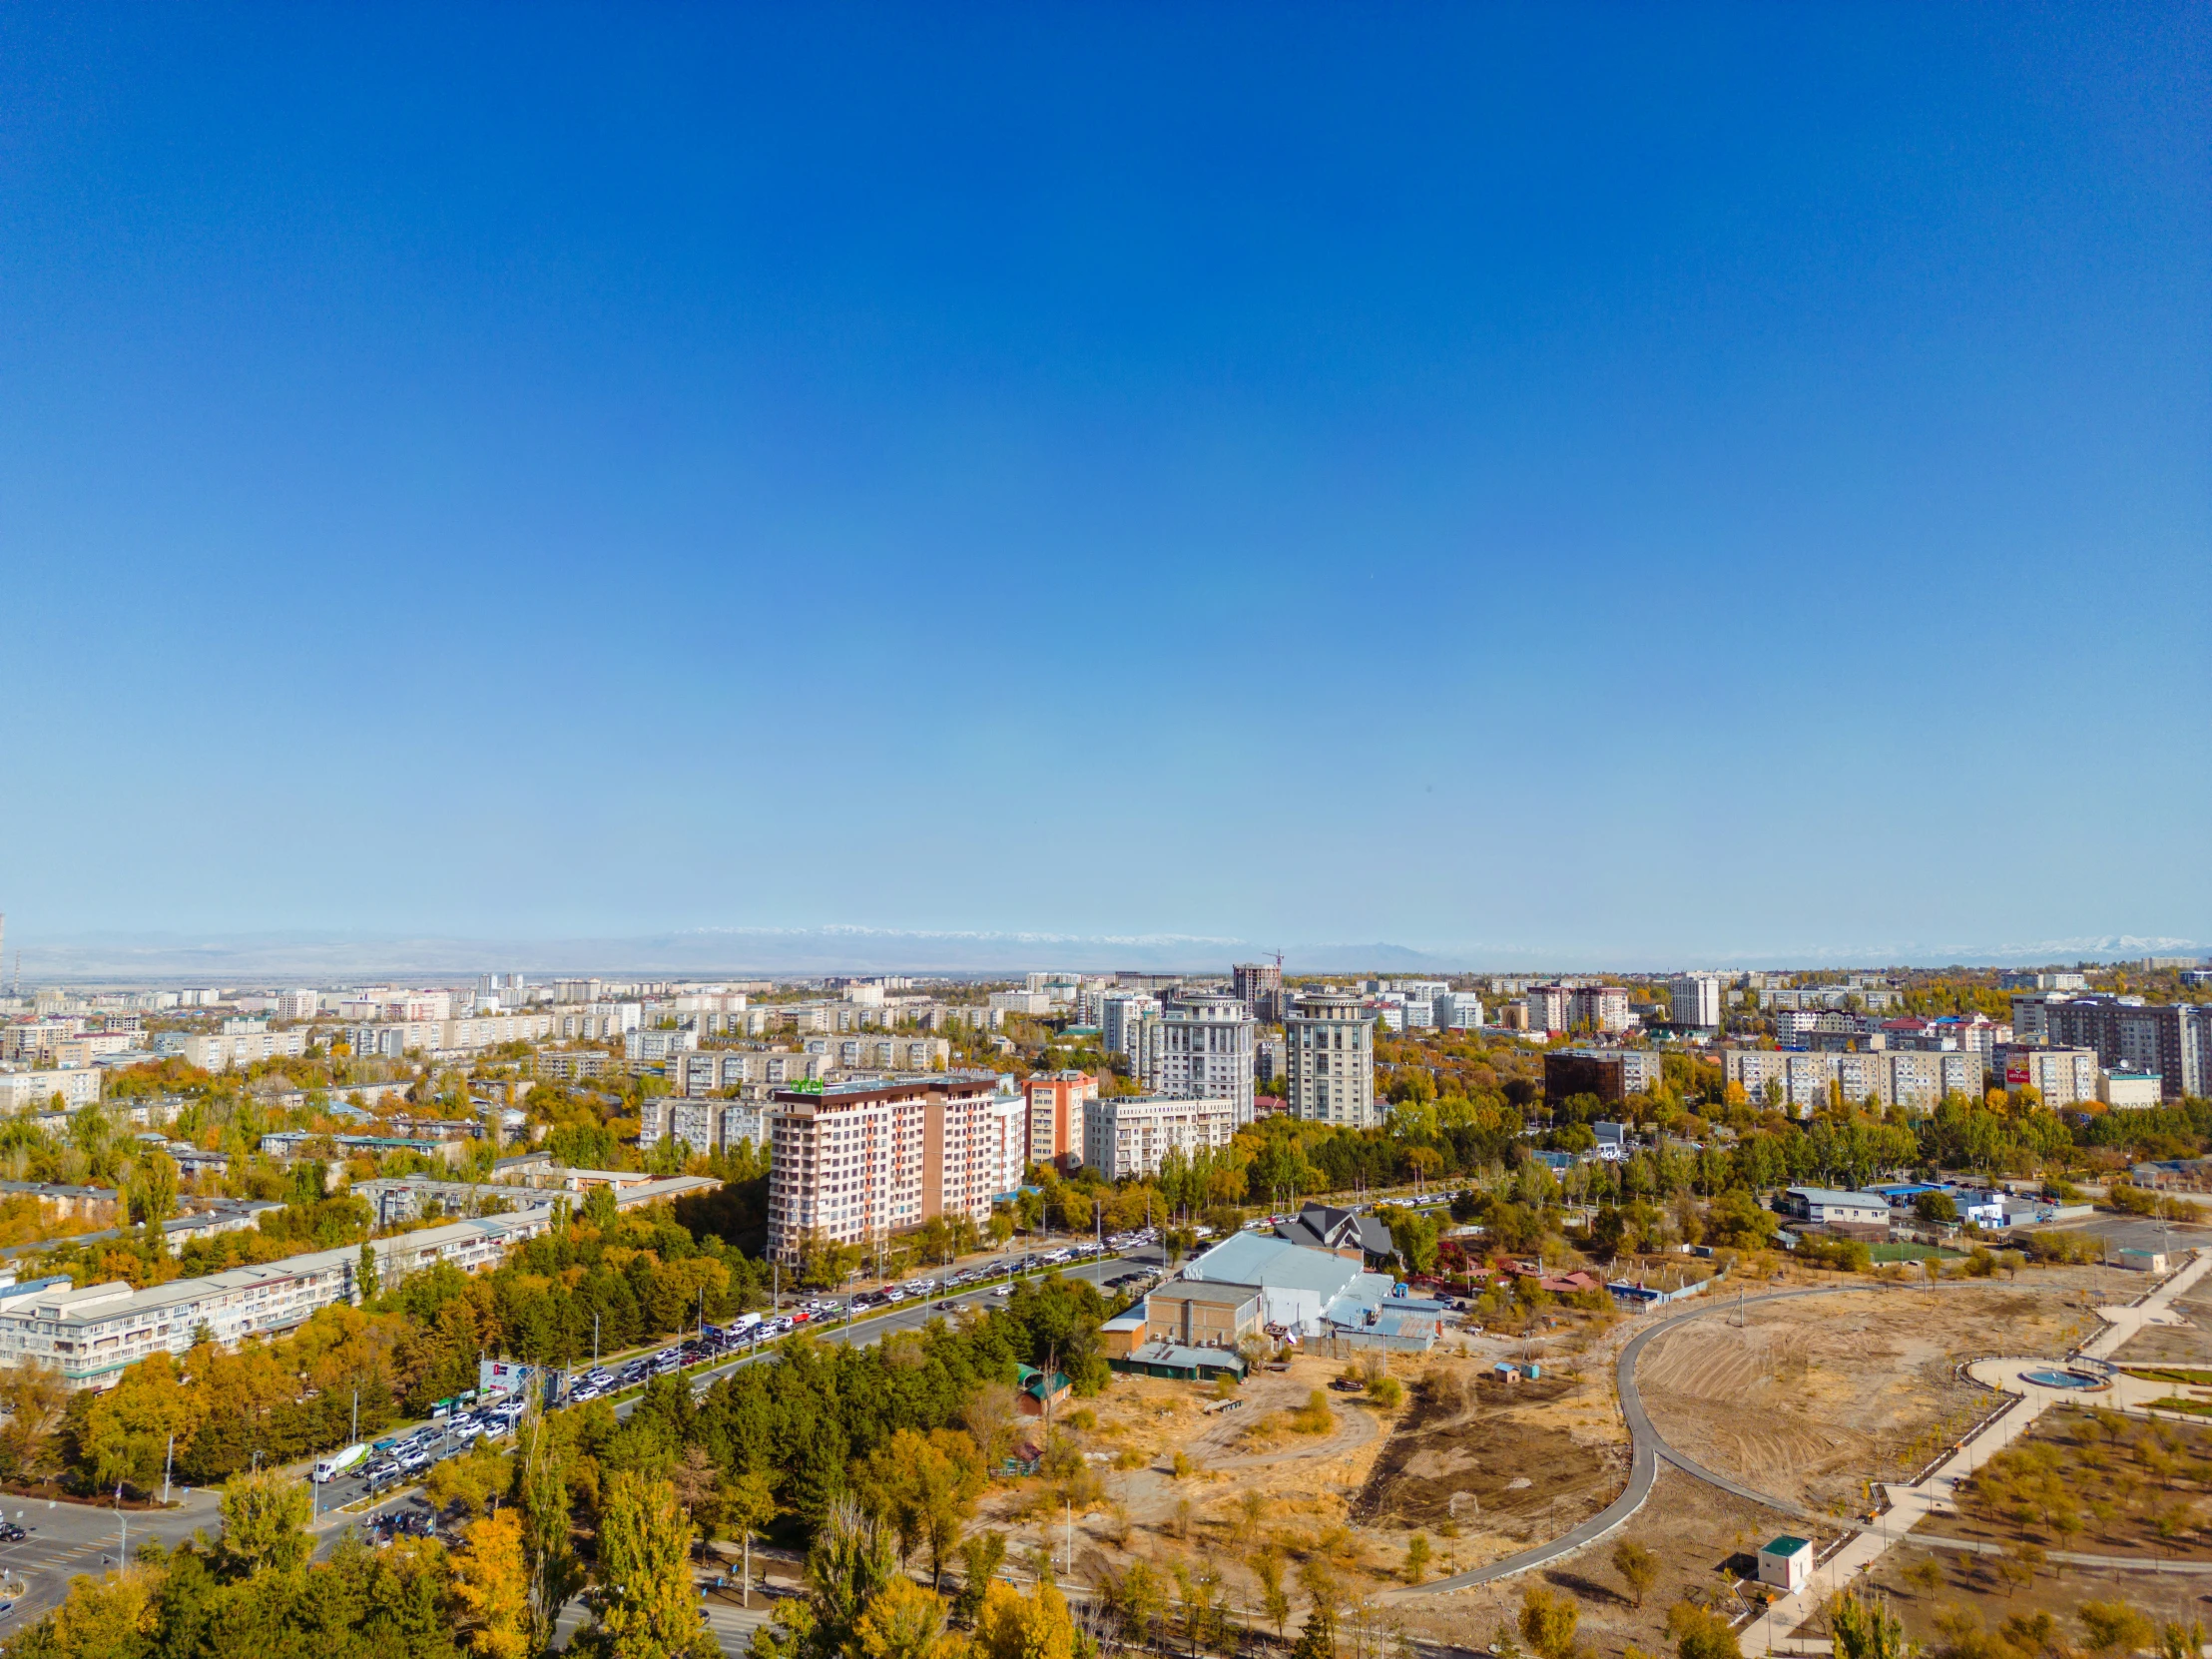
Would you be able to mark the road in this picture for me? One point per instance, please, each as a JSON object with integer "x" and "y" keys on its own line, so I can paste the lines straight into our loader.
{"x": 874, "y": 1329}
{"x": 69, "y": 1538}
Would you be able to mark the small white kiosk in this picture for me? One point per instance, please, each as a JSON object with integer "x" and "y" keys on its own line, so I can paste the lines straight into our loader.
{"x": 1786, "y": 1562}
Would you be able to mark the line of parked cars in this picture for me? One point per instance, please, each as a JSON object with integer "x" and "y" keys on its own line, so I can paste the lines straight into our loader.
{"x": 404, "y": 1454}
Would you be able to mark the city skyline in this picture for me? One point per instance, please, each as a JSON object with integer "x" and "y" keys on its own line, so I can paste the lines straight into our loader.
{"x": 1606, "y": 485}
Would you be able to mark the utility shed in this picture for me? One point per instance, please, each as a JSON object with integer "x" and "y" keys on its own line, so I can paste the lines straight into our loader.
{"x": 1786, "y": 1562}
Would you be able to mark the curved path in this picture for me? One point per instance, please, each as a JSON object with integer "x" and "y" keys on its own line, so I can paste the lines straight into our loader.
{"x": 1646, "y": 1449}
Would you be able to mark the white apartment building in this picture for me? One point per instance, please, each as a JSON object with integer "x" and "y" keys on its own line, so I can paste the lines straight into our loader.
{"x": 712, "y": 1071}
{"x": 443, "y": 1036}
{"x": 1458, "y": 1011}
{"x": 1200, "y": 1048}
{"x": 1548, "y": 1007}
{"x": 1127, "y": 1135}
{"x": 1330, "y": 1047}
{"x": 1121, "y": 1023}
{"x": 299, "y": 1005}
{"x": 883, "y": 1053}
{"x": 857, "y": 1161}
{"x": 1034, "y": 1003}
{"x": 1006, "y": 1140}
{"x": 703, "y": 1125}
{"x": 77, "y": 1087}
{"x": 90, "y": 1335}
{"x": 1695, "y": 1000}
{"x": 658, "y": 1044}
{"x": 1599, "y": 1008}
{"x": 593, "y": 1021}
{"x": 1895, "y": 1077}
{"x": 223, "y": 1050}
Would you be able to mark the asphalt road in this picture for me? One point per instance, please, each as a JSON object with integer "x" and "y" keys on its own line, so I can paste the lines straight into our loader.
{"x": 69, "y": 1538}
{"x": 910, "y": 1316}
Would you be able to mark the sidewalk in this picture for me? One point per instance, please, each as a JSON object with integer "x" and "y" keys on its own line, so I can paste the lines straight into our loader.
{"x": 1934, "y": 1493}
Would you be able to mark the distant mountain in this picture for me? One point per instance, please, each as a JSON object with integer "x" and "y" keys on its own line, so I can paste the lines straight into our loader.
{"x": 317, "y": 958}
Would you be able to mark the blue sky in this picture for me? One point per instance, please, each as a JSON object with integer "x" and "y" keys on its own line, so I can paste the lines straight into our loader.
{"x": 1640, "y": 484}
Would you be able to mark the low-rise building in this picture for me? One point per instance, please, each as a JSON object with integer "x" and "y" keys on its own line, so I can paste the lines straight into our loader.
{"x": 1827, "y": 1207}
{"x": 2129, "y": 1090}
{"x": 89, "y": 1335}
{"x": 1804, "y": 1082}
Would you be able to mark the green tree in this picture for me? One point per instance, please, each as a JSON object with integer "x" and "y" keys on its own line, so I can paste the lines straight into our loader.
{"x": 750, "y": 1505}
{"x": 646, "y": 1608}
{"x": 264, "y": 1521}
{"x": 364, "y": 1275}
{"x": 1865, "y": 1629}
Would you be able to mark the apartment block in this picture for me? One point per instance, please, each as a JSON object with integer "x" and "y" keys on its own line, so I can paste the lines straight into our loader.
{"x": 1259, "y": 986}
{"x": 2062, "y": 1076}
{"x": 1329, "y": 1042}
{"x": 1612, "y": 1074}
{"x": 1599, "y": 1008}
{"x": 90, "y": 1335}
{"x": 1054, "y": 1104}
{"x": 1694, "y": 999}
{"x": 1458, "y": 1011}
{"x": 1200, "y": 1048}
{"x": 443, "y": 1036}
{"x": 658, "y": 1044}
{"x": 861, "y": 1160}
{"x": 1548, "y": 1007}
{"x": 1805, "y": 1082}
{"x": 1121, "y": 1023}
{"x": 223, "y": 1050}
{"x": 2172, "y": 1039}
{"x": 715, "y": 1071}
{"x": 1128, "y": 1135}
{"x": 883, "y": 1053}
{"x": 704, "y": 1126}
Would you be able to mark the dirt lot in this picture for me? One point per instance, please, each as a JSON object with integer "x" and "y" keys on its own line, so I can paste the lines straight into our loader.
{"x": 1693, "y": 1529}
{"x": 2184, "y": 1345}
{"x": 1519, "y": 1462}
{"x": 1811, "y": 1399}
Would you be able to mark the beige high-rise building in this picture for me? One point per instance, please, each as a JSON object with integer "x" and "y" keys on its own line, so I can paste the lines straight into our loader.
{"x": 1328, "y": 1040}
{"x": 861, "y": 1160}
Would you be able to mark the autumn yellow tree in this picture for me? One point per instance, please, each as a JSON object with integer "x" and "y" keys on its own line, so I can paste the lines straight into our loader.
{"x": 491, "y": 1581}
{"x": 1016, "y": 1626}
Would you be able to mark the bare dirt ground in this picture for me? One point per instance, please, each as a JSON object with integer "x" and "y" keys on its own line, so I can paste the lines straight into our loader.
{"x": 1810, "y": 1400}
{"x": 1518, "y": 1463}
{"x": 2182, "y": 1344}
{"x": 1693, "y": 1529}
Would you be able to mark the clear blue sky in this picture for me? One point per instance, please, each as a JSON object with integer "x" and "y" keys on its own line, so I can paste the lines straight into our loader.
{"x": 1648, "y": 483}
